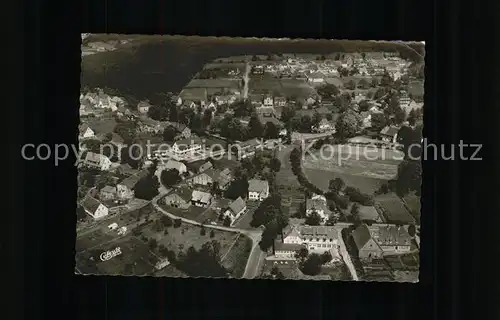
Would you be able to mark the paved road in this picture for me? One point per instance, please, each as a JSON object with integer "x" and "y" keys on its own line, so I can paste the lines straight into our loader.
{"x": 256, "y": 255}
{"x": 347, "y": 259}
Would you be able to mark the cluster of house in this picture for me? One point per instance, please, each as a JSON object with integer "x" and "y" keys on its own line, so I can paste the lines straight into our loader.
{"x": 372, "y": 242}
{"x": 205, "y": 100}
{"x": 96, "y": 203}
{"x": 316, "y": 71}
{"x": 197, "y": 190}
{"x": 92, "y": 102}
{"x": 376, "y": 241}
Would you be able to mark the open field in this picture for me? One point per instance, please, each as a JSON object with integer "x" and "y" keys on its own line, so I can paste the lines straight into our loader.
{"x": 224, "y": 65}
{"x": 296, "y": 87}
{"x": 413, "y": 203}
{"x": 393, "y": 209}
{"x": 236, "y": 258}
{"x": 258, "y": 85}
{"x": 135, "y": 259}
{"x": 193, "y": 94}
{"x": 214, "y": 83}
{"x": 321, "y": 178}
{"x": 93, "y": 239}
{"x": 180, "y": 239}
{"x": 286, "y": 87}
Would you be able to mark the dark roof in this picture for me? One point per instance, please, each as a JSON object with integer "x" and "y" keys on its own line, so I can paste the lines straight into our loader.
{"x": 391, "y": 236}
{"x": 389, "y": 131}
{"x": 319, "y": 231}
{"x": 237, "y": 205}
{"x": 178, "y": 126}
{"x": 361, "y": 235}
{"x": 280, "y": 246}
{"x": 90, "y": 204}
{"x": 184, "y": 193}
{"x": 132, "y": 180}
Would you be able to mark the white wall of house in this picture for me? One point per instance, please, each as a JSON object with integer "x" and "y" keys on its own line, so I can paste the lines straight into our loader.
{"x": 100, "y": 212}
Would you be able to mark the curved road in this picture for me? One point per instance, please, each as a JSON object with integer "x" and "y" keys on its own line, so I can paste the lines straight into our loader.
{"x": 256, "y": 255}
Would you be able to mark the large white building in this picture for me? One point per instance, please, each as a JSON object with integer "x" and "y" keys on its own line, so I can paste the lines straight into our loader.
{"x": 316, "y": 239}
{"x": 185, "y": 148}
{"x": 319, "y": 205}
{"x": 98, "y": 161}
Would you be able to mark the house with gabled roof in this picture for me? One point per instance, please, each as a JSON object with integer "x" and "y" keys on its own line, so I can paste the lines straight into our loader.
{"x": 96, "y": 160}
{"x": 236, "y": 209}
{"x": 94, "y": 208}
{"x": 179, "y": 198}
{"x": 316, "y": 239}
{"x": 258, "y": 189}
{"x": 172, "y": 164}
{"x": 389, "y": 134}
{"x": 107, "y": 193}
{"x": 201, "y": 199}
{"x": 125, "y": 189}
{"x": 85, "y": 132}
{"x": 206, "y": 178}
{"x": 376, "y": 241}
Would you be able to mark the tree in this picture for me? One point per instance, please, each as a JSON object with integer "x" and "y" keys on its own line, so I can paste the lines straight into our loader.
{"x": 351, "y": 85}
{"x": 313, "y": 219}
{"x": 374, "y": 82}
{"x": 326, "y": 257}
{"x": 412, "y": 230}
{"x": 173, "y": 113}
{"x": 202, "y": 231}
{"x": 355, "y": 211}
{"x": 379, "y": 121}
{"x": 275, "y": 164}
{"x": 255, "y": 127}
{"x": 177, "y": 223}
{"x": 336, "y": 185}
{"x": 348, "y": 125}
{"x": 364, "y": 105}
{"x": 271, "y": 131}
{"x": 147, "y": 187}
{"x": 386, "y": 80}
{"x": 227, "y": 221}
{"x": 152, "y": 244}
{"x": 169, "y": 134}
{"x": 302, "y": 254}
{"x": 312, "y": 265}
{"x": 158, "y": 113}
{"x": 276, "y": 273}
{"x": 212, "y": 233}
{"x": 237, "y": 188}
{"x": 287, "y": 114}
{"x": 332, "y": 220}
{"x": 207, "y": 118}
{"x": 158, "y": 226}
{"x": 268, "y": 236}
{"x": 202, "y": 263}
{"x": 167, "y": 222}
{"x": 170, "y": 177}
{"x": 328, "y": 90}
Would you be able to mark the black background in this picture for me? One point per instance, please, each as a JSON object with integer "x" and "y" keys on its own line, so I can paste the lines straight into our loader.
{"x": 459, "y": 198}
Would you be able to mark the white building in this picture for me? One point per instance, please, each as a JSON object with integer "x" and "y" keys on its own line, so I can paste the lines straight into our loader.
{"x": 268, "y": 101}
{"x": 185, "y": 148}
{"x": 319, "y": 205}
{"x": 94, "y": 208}
{"x": 201, "y": 199}
{"x": 86, "y": 132}
{"x": 172, "y": 164}
{"x": 258, "y": 189}
{"x": 236, "y": 209}
{"x": 96, "y": 160}
{"x": 317, "y": 239}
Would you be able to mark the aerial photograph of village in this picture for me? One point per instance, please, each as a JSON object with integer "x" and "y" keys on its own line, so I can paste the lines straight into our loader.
{"x": 247, "y": 158}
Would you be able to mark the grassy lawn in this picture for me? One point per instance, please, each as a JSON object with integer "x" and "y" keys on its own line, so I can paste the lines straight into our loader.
{"x": 394, "y": 209}
{"x": 92, "y": 239}
{"x": 134, "y": 253}
{"x": 236, "y": 258}
{"x": 214, "y": 83}
{"x": 338, "y": 272}
{"x": 258, "y": 85}
{"x": 413, "y": 203}
{"x": 180, "y": 239}
{"x": 296, "y": 87}
{"x": 193, "y": 212}
{"x": 405, "y": 276}
{"x": 321, "y": 178}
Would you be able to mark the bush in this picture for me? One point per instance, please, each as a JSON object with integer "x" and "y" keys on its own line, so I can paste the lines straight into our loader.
{"x": 212, "y": 234}
{"x": 177, "y": 223}
{"x": 167, "y": 222}
{"x": 203, "y": 231}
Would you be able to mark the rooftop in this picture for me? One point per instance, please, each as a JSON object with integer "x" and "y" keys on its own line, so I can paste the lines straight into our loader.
{"x": 257, "y": 185}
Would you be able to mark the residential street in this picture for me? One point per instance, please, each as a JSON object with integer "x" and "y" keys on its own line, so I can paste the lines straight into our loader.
{"x": 347, "y": 259}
